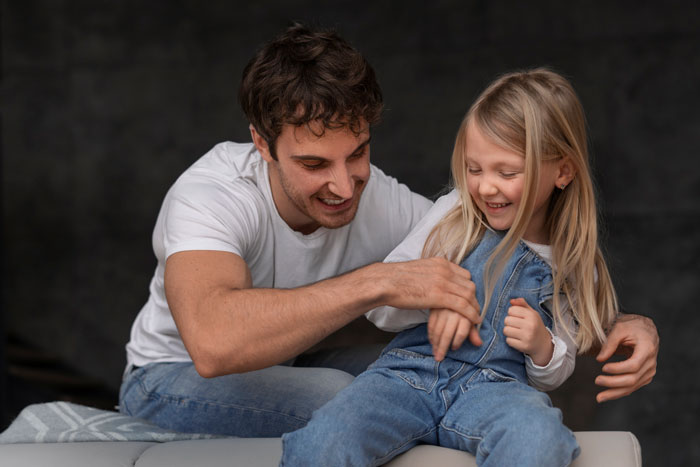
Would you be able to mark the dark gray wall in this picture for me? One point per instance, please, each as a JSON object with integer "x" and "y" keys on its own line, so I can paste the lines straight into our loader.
{"x": 105, "y": 103}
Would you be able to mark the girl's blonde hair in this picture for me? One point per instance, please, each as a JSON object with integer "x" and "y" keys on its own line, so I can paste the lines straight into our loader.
{"x": 536, "y": 113}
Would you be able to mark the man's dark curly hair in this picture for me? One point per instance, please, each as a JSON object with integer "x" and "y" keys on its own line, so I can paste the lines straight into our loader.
{"x": 307, "y": 75}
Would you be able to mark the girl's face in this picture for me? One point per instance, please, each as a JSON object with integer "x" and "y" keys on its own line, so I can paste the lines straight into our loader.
{"x": 496, "y": 180}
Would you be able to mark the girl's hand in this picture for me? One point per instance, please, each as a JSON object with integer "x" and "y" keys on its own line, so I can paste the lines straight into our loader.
{"x": 448, "y": 329}
{"x": 525, "y": 331}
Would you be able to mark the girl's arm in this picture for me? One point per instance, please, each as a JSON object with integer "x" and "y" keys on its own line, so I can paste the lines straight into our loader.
{"x": 550, "y": 357}
{"x": 561, "y": 366}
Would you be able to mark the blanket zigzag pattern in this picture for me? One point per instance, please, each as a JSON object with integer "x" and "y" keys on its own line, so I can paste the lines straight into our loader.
{"x": 59, "y": 422}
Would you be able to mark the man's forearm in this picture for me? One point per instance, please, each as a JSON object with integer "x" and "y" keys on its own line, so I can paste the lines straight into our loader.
{"x": 238, "y": 330}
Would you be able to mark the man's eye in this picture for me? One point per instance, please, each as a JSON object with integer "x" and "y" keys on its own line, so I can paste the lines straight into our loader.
{"x": 312, "y": 165}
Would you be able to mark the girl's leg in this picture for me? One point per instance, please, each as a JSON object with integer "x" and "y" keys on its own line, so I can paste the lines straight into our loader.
{"x": 376, "y": 418}
{"x": 508, "y": 423}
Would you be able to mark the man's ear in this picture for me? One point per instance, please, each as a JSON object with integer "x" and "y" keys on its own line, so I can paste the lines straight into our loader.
{"x": 566, "y": 172}
{"x": 261, "y": 145}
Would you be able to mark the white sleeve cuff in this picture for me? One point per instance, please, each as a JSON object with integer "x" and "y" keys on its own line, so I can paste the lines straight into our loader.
{"x": 557, "y": 356}
{"x": 554, "y": 373}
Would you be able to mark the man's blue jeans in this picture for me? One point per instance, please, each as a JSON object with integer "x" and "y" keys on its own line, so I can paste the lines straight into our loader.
{"x": 263, "y": 403}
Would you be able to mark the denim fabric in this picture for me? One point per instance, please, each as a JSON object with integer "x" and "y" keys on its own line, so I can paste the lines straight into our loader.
{"x": 263, "y": 403}
{"x": 476, "y": 400}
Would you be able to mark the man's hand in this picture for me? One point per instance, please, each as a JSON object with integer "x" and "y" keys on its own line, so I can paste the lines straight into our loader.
{"x": 448, "y": 329}
{"x": 430, "y": 283}
{"x": 636, "y": 337}
{"x": 525, "y": 331}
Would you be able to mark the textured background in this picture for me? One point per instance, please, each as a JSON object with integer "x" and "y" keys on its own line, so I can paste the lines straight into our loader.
{"x": 105, "y": 103}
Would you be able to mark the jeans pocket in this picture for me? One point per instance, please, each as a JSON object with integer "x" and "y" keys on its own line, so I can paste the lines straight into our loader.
{"x": 418, "y": 370}
{"x": 495, "y": 377}
{"x": 487, "y": 375}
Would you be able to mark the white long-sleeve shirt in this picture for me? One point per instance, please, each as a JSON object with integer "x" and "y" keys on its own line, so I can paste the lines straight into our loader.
{"x": 391, "y": 319}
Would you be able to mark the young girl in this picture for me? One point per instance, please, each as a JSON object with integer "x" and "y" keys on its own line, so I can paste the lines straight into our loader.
{"x": 522, "y": 220}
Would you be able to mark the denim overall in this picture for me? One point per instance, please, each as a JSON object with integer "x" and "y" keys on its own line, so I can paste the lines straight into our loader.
{"x": 526, "y": 275}
{"x": 476, "y": 400}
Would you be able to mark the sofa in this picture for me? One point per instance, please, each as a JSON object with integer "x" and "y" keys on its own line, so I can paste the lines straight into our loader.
{"x": 598, "y": 449}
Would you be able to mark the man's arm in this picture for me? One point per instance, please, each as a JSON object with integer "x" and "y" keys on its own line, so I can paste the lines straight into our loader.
{"x": 636, "y": 337}
{"x": 229, "y": 327}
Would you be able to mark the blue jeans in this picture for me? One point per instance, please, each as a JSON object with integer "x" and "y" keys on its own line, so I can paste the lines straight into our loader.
{"x": 407, "y": 398}
{"x": 263, "y": 403}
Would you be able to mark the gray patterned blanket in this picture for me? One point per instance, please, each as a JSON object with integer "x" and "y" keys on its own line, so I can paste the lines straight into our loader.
{"x": 58, "y": 422}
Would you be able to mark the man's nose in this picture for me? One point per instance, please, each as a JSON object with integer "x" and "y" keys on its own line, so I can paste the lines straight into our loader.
{"x": 341, "y": 183}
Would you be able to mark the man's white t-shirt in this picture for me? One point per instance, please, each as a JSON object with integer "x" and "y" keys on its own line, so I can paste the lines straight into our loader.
{"x": 223, "y": 202}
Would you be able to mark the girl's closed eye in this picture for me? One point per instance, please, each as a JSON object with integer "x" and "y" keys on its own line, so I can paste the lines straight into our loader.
{"x": 509, "y": 174}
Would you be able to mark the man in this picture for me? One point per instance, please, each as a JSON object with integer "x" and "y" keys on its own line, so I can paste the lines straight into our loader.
{"x": 264, "y": 249}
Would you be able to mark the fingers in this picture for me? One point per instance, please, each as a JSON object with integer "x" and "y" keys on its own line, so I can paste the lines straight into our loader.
{"x": 627, "y": 372}
{"x": 642, "y": 354}
{"x": 612, "y": 394}
{"x": 461, "y": 298}
{"x": 630, "y": 332}
{"x": 519, "y": 302}
{"x": 474, "y": 337}
{"x": 520, "y": 309}
{"x": 625, "y": 377}
{"x": 436, "y": 325}
{"x": 516, "y": 338}
{"x": 521, "y": 319}
{"x": 445, "y": 339}
{"x": 631, "y": 365}
{"x": 463, "y": 330}
{"x": 608, "y": 348}
{"x": 513, "y": 331}
{"x": 519, "y": 329}
{"x": 622, "y": 385}
{"x": 470, "y": 313}
{"x": 616, "y": 381}
{"x": 448, "y": 330}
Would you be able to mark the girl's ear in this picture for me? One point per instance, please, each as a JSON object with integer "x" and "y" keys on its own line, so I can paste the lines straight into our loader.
{"x": 260, "y": 144}
{"x": 565, "y": 172}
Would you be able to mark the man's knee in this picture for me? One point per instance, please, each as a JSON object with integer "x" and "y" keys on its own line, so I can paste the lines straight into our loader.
{"x": 334, "y": 380}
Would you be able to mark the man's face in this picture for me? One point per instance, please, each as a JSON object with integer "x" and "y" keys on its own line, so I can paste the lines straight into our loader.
{"x": 317, "y": 180}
